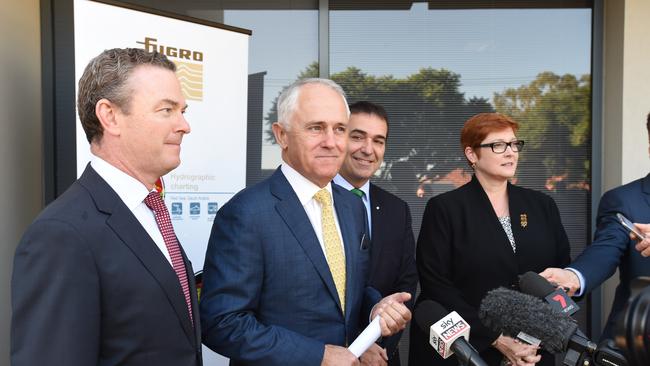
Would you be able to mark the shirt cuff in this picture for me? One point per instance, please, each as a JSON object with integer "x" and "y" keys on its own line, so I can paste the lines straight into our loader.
{"x": 370, "y": 315}
{"x": 581, "y": 279}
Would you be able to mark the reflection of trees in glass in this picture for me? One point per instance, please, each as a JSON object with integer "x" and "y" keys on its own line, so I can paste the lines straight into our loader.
{"x": 555, "y": 118}
{"x": 427, "y": 111}
{"x": 310, "y": 72}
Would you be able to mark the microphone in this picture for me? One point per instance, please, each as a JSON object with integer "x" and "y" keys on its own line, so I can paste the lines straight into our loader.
{"x": 448, "y": 333}
{"x": 533, "y": 284}
{"x": 510, "y": 312}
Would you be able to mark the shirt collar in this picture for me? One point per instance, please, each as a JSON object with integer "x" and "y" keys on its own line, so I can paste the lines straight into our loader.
{"x": 345, "y": 184}
{"x": 304, "y": 188}
{"x": 131, "y": 191}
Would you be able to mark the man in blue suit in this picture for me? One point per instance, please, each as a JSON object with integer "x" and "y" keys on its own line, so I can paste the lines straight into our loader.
{"x": 99, "y": 277}
{"x": 612, "y": 247}
{"x": 285, "y": 275}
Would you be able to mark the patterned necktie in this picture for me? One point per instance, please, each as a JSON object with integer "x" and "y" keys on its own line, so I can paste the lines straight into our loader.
{"x": 358, "y": 192}
{"x": 333, "y": 245}
{"x": 157, "y": 205}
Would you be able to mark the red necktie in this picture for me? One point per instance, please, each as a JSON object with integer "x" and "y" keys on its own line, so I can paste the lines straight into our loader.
{"x": 157, "y": 205}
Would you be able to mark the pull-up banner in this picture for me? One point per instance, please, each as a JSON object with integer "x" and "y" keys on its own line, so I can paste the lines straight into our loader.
{"x": 212, "y": 66}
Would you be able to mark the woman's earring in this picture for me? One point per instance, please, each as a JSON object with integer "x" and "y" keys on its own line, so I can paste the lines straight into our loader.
{"x": 473, "y": 165}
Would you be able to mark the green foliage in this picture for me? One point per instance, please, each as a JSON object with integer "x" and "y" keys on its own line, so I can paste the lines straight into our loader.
{"x": 310, "y": 72}
{"x": 555, "y": 120}
{"x": 426, "y": 112}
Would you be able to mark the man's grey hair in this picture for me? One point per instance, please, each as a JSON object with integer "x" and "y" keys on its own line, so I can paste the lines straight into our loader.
{"x": 288, "y": 99}
{"x": 106, "y": 77}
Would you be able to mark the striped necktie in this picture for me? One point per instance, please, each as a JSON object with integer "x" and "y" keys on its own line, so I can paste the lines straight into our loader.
{"x": 157, "y": 205}
{"x": 358, "y": 192}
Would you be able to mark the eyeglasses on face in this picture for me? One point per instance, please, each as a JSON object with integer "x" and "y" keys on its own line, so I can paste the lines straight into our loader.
{"x": 499, "y": 147}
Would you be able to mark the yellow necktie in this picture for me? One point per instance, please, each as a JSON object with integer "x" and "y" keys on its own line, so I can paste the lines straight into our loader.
{"x": 333, "y": 246}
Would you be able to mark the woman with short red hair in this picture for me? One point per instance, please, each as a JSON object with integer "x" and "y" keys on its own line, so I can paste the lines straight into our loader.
{"x": 483, "y": 235}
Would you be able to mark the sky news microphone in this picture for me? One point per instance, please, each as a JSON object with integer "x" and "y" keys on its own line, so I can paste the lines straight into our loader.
{"x": 510, "y": 312}
{"x": 448, "y": 333}
{"x": 533, "y": 284}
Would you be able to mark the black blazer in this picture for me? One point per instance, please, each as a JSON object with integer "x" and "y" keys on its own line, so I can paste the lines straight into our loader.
{"x": 463, "y": 252}
{"x": 392, "y": 253}
{"x": 90, "y": 287}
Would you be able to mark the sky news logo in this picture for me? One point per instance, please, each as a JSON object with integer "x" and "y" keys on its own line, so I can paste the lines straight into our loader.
{"x": 453, "y": 330}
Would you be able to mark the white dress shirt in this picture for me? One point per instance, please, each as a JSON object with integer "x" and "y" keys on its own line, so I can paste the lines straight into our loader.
{"x": 365, "y": 188}
{"x": 305, "y": 190}
{"x": 132, "y": 192}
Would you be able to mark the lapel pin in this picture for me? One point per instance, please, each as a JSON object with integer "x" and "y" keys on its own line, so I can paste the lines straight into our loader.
{"x": 523, "y": 220}
{"x": 377, "y": 208}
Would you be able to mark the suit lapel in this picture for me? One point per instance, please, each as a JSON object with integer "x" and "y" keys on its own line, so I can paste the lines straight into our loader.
{"x": 195, "y": 300}
{"x": 131, "y": 232}
{"x": 518, "y": 218}
{"x": 486, "y": 211}
{"x": 296, "y": 219}
{"x": 380, "y": 222}
{"x": 350, "y": 243}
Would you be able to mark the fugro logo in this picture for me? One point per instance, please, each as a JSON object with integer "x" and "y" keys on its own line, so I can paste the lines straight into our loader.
{"x": 190, "y": 74}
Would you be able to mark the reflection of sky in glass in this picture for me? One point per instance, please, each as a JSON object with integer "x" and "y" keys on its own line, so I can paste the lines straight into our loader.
{"x": 490, "y": 49}
{"x": 284, "y": 43}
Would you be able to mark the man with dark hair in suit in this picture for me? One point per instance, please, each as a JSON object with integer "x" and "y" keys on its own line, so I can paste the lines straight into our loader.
{"x": 284, "y": 280}
{"x": 392, "y": 249}
{"x": 99, "y": 277}
{"x": 612, "y": 247}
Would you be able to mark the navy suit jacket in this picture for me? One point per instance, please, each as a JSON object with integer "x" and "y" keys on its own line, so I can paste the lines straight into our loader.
{"x": 612, "y": 246}
{"x": 268, "y": 297}
{"x": 392, "y": 253}
{"x": 90, "y": 287}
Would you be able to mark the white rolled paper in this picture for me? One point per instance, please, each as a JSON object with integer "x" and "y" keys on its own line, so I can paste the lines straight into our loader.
{"x": 369, "y": 336}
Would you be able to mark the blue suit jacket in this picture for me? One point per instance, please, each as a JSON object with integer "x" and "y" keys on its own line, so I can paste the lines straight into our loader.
{"x": 612, "y": 246}
{"x": 90, "y": 287}
{"x": 268, "y": 296}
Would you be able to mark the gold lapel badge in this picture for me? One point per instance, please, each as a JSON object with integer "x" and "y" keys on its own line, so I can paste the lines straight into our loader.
{"x": 523, "y": 220}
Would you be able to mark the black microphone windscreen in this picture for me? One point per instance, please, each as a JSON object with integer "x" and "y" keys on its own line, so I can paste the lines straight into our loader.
{"x": 533, "y": 284}
{"x": 510, "y": 312}
{"x": 428, "y": 312}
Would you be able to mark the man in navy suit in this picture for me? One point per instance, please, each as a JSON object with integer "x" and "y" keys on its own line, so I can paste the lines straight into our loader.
{"x": 612, "y": 247}
{"x": 392, "y": 249}
{"x": 284, "y": 280}
{"x": 95, "y": 280}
